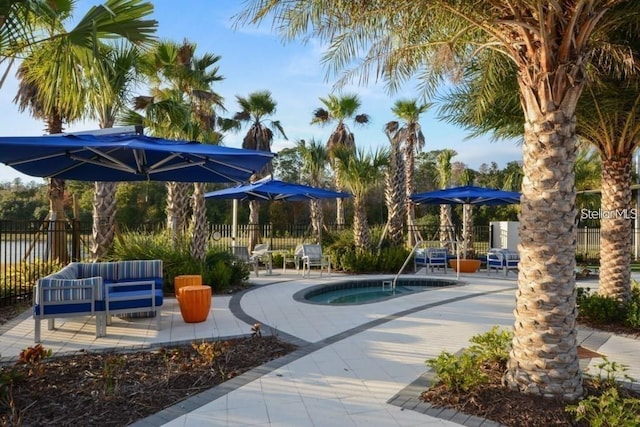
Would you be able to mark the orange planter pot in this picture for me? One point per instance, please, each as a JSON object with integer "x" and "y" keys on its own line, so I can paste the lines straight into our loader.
{"x": 180, "y": 282}
{"x": 466, "y": 265}
{"x": 195, "y": 303}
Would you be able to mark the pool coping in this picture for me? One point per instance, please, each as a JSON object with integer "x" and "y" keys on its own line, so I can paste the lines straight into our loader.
{"x": 302, "y": 295}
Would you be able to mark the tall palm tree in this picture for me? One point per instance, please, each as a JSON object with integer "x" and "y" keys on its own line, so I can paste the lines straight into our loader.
{"x": 315, "y": 158}
{"x": 412, "y": 140}
{"x": 610, "y": 121}
{"x": 110, "y": 90}
{"x": 338, "y": 109}
{"x": 394, "y": 192}
{"x": 256, "y": 108}
{"x": 360, "y": 172}
{"x": 53, "y": 77}
{"x": 551, "y": 44}
{"x": 182, "y": 105}
{"x": 443, "y": 167}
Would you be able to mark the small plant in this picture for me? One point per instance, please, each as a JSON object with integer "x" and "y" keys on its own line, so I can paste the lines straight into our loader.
{"x": 255, "y": 330}
{"x": 207, "y": 351}
{"x": 458, "y": 373}
{"x": 599, "y": 308}
{"x": 607, "y": 410}
{"x": 111, "y": 369}
{"x": 33, "y": 357}
{"x": 609, "y": 373}
{"x": 493, "y": 346}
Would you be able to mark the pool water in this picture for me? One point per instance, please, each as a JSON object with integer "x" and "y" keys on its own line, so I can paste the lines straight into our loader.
{"x": 367, "y": 291}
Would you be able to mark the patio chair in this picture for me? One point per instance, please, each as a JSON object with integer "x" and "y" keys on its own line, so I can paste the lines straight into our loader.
{"x": 312, "y": 257}
{"x": 504, "y": 259}
{"x": 260, "y": 254}
{"x": 437, "y": 257}
{"x": 242, "y": 253}
{"x": 292, "y": 258}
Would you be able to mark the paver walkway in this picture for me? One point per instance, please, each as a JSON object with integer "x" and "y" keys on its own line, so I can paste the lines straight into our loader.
{"x": 353, "y": 365}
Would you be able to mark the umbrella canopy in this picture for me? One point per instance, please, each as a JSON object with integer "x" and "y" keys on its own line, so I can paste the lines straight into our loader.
{"x": 275, "y": 190}
{"x": 467, "y": 195}
{"x": 128, "y": 158}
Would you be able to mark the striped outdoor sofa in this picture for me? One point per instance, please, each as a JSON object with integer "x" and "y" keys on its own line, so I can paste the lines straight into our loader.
{"x": 99, "y": 289}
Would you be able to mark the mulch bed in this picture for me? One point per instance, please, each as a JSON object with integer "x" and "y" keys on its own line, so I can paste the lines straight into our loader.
{"x": 116, "y": 389}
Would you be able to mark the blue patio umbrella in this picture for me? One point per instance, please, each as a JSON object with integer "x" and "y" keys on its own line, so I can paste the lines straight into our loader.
{"x": 273, "y": 189}
{"x": 467, "y": 195}
{"x": 128, "y": 158}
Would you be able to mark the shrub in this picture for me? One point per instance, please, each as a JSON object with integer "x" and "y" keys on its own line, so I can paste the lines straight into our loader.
{"x": 632, "y": 315}
{"x": 222, "y": 270}
{"x": 599, "y": 308}
{"x": 493, "y": 346}
{"x": 458, "y": 373}
{"x": 463, "y": 372}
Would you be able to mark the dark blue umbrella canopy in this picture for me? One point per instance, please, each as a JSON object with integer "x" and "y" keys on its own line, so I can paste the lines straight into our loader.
{"x": 275, "y": 190}
{"x": 128, "y": 158}
{"x": 467, "y": 195}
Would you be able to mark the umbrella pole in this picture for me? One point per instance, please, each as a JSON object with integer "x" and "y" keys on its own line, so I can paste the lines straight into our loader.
{"x": 234, "y": 223}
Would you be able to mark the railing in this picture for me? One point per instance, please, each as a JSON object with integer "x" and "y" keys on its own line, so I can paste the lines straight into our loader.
{"x": 25, "y": 253}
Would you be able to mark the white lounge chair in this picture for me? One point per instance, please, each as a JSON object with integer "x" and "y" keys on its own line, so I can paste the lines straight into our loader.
{"x": 312, "y": 257}
{"x": 242, "y": 253}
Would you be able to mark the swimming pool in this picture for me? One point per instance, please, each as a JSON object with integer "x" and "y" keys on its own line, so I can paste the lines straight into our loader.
{"x": 367, "y": 291}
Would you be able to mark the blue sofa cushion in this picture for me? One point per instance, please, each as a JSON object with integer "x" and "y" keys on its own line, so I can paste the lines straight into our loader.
{"x": 139, "y": 269}
{"x": 107, "y": 270}
{"x": 62, "y": 309}
{"x": 61, "y": 290}
{"x": 133, "y": 299}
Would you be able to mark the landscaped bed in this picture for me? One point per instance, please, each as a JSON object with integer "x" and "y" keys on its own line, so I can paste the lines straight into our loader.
{"x": 116, "y": 389}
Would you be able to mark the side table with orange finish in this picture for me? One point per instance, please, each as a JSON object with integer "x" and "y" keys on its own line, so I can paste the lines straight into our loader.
{"x": 195, "y": 303}
{"x": 185, "y": 280}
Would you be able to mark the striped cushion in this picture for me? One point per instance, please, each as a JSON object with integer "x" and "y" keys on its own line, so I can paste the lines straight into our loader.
{"x": 107, "y": 270}
{"x": 70, "y": 271}
{"x": 145, "y": 269}
{"x": 57, "y": 290}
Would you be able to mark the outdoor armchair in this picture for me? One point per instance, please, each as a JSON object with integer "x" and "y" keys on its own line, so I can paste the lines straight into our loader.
{"x": 312, "y": 257}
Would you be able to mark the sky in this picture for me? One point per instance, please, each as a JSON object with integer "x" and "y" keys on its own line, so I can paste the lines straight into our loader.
{"x": 255, "y": 59}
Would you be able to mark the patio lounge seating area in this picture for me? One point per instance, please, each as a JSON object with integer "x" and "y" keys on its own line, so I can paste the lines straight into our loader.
{"x": 99, "y": 289}
{"x": 502, "y": 259}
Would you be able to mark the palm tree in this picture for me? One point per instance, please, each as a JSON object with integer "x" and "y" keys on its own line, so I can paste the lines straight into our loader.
{"x": 182, "y": 105}
{"x": 53, "y": 77}
{"x": 412, "y": 140}
{"x": 256, "y": 108}
{"x": 338, "y": 109}
{"x": 394, "y": 192}
{"x": 447, "y": 235}
{"x": 359, "y": 173}
{"x": 551, "y": 45}
{"x": 315, "y": 158}
{"x": 110, "y": 89}
{"x": 610, "y": 120}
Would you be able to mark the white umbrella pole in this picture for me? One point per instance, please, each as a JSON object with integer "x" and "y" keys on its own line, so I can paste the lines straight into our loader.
{"x": 234, "y": 223}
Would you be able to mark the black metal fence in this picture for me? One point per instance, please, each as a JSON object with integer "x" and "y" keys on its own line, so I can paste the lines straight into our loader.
{"x": 26, "y": 246}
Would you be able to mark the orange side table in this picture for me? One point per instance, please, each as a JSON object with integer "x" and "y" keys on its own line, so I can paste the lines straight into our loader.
{"x": 195, "y": 302}
{"x": 185, "y": 280}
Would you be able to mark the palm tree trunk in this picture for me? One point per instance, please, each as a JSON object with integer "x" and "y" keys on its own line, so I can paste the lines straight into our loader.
{"x": 57, "y": 225}
{"x": 177, "y": 205}
{"x": 543, "y": 360}
{"x": 360, "y": 224}
{"x": 198, "y": 223}
{"x": 104, "y": 219}
{"x": 446, "y": 228}
{"x": 467, "y": 230}
{"x": 616, "y": 229}
{"x": 254, "y": 223}
{"x": 395, "y": 195}
{"x": 317, "y": 219}
{"x": 410, "y": 189}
